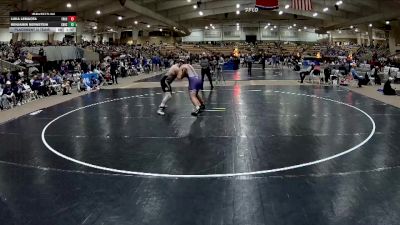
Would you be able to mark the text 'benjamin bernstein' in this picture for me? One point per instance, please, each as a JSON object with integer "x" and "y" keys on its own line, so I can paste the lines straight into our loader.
{"x": 29, "y": 24}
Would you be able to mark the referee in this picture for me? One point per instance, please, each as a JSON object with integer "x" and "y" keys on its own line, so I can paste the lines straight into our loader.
{"x": 205, "y": 70}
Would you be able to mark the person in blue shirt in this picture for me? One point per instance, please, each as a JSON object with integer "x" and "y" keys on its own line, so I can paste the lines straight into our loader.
{"x": 361, "y": 80}
{"x": 38, "y": 86}
{"x": 146, "y": 65}
{"x": 8, "y": 94}
{"x": 153, "y": 63}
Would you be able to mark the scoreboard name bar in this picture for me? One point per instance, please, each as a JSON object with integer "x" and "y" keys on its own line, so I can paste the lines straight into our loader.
{"x": 42, "y": 24}
{"x": 42, "y": 18}
{"x": 25, "y": 13}
{"x": 43, "y": 29}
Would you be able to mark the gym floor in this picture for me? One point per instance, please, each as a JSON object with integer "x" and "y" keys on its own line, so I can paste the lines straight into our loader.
{"x": 258, "y": 155}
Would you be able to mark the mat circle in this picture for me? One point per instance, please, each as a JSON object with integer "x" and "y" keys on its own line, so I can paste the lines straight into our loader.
{"x": 108, "y": 169}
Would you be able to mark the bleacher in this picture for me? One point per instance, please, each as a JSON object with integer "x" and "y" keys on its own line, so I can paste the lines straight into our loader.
{"x": 351, "y": 48}
{"x": 313, "y": 50}
{"x": 224, "y": 50}
{"x": 268, "y": 48}
{"x": 272, "y": 48}
{"x": 194, "y": 49}
{"x": 168, "y": 48}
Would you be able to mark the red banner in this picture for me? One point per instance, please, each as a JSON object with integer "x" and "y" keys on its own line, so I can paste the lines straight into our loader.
{"x": 267, "y": 4}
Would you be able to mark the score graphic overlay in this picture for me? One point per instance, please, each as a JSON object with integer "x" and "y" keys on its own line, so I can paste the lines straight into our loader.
{"x": 63, "y": 22}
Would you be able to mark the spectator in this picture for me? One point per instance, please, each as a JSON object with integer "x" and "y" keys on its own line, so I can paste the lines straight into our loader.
{"x": 84, "y": 66}
{"x": 262, "y": 59}
{"x": 113, "y": 71}
{"x": 8, "y": 94}
{"x": 303, "y": 74}
{"x": 27, "y": 91}
{"x": 361, "y": 80}
{"x": 19, "y": 92}
{"x": 3, "y": 79}
{"x": 327, "y": 73}
{"x": 66, "y": 87}
{"x": 58, "y": 78}
{"x": 37, "y": 86}
{"x": 41, "y": 52}
{"x": 80, "y": 85}
{"x": 375, "y": 75}
{"x": 387, "y": 88}
{"x": 1, "y": 99}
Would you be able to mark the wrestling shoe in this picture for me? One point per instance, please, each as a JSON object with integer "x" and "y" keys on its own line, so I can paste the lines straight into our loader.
{"x": 160, "y": 112}
{"x": 196, "y": 112}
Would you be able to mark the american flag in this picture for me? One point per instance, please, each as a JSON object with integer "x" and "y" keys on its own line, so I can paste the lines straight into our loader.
{"x": 304, "y": 5}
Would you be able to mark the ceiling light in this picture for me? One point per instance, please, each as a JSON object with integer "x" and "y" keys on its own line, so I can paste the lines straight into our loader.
{"x": 299, "y": 30}
{"x": 387, "y": 22}
{"x": 237, "y": 28}
{"x": 69, "y": 5}
{"x": 315, "y": 14}
{"x": 280, "y": 12}
{"x": 194, "y": 6}
{"x": 237, "y": 6}
{"x": 237, "y": 12}
{"x": 356, "y": 30}
{"x": 200, "y": 13}
{"x": 325, "y": 9}
{"x": 189, "y": 0}
{"x": 237, "y": 24}
{"x": 370, "y": 25}
{"x": 294, "y": 25}
{"x": 269, "y": 24}
{"x": 339, "y": 2}
{"x": 328, "y": 32}
{"x": 206, "y": 27}
{"x": 275, "y": 26}
{"x": 340, "y": 31}
{"x": 119, "y": 17}
{"x": 305, "y": 28}
{"x": 351, "y": 27}
{"x": 148, "y": 26}
{"x": 213, "y": 28}
{"x": 287, "y": 6}
{"x": 272, "y": 28}
{"x": 160, "y": 29}
{"x": 290, "y": 27}
{"x": 135, "y": 22}
{"x": 95, "y": 28}
{"x": 98, "y": 12}
{"x": 366, "y": 33}
{"x": 111, "y": 30}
